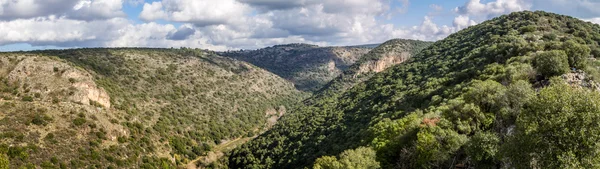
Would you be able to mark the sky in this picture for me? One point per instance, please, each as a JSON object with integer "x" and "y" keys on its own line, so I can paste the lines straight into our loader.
{"x": 249, "y": 24}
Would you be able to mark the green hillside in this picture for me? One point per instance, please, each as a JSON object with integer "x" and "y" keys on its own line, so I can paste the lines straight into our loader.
{"x": 130, "y": 108}
{"x": 309, "y": 67}
{"x": 386, "y": 55}
{"x": 515, "y": 91}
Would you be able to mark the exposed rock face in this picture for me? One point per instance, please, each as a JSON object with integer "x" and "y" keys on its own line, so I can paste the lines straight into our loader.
{"x": 54, "y": 79}
{"x": 386, "y": 61}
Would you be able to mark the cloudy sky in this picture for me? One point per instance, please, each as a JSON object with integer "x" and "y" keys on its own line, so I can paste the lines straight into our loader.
{"x": 250, "y": 24}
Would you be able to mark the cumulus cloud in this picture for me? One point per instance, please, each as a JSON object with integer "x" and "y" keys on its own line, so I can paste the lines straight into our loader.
{"x": 76, "y": 9}
{"x": 59, "y": 31}
{"x": 97, "y": 9}
{"x": 493, "y": 8}
{"x": 463, "y": 21}
{"x": 200, "y": 13}
{"x": 152, "y": 12}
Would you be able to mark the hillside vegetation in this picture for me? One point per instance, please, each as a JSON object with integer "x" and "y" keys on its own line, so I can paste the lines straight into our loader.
{"x": 309, "y": 67}
{"x": 515, "y": 91}
{"x": 386, "y": 55}
{"x": 130, "y": 108}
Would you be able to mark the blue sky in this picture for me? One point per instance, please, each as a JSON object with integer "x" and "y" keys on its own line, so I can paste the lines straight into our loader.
{"x": 250, "y": 24}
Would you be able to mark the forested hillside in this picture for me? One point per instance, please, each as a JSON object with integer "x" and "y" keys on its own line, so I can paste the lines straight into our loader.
{"x": 386, "y": 55}
{"x": 515, "y": 91}
{"x": 309, "y": 67}
{"x": 130, "y": 108}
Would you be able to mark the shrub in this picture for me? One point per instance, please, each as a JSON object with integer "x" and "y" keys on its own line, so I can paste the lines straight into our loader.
{"x": 27, "y": 98}
{"x": 552, "y": 63}
{"x": 559, "y": 126}
{"x": 577, "y": 54}
{"x": 483, "y": 148}
{"x": 361, "y": 157}
{"x": 79, "y": 121}
{"x": 526, "y": 29}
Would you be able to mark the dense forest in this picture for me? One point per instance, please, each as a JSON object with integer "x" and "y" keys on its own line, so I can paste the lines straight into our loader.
{"x": 517, "y": 91}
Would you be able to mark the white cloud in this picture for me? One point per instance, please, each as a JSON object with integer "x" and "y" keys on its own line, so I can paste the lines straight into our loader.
{"x": 152, "y": 12}
{"x": 97, "y": 9}
{"x": 76, "y": 9}
{"x": 462, "y": 21}
{"x": 493, "y": 8}
{"x": 200, "y": 13}
{"x": 593, "y": 20}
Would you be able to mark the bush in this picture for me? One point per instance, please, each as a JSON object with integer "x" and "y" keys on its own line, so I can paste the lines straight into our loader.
{"x": 526, "y": 29}
{"x": 552, "y": 63}
{"x": 559, "y": 126}
{"x": 361, "y": 157}
{"x": 596, "y": 52}
{"x": 27, "y": 98}
{"x": 578, "y": 54}
{"x": 483, "y": 148}
{"x": 79, "y": 121}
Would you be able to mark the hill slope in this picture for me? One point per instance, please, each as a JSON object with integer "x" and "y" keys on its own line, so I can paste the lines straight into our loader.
{"x": 466, "y": 101}
{"x": 130, "y": 108}
{"x": 386, "y": 55}
{"x": 309, "y": 67}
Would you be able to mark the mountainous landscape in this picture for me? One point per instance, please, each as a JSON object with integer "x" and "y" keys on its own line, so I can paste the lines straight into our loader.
{"x": 517, "y": 91}
{"x": 309, "y": 67}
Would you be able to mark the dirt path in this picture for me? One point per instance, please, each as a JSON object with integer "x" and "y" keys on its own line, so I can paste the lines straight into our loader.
{"x": 218, "y": 152}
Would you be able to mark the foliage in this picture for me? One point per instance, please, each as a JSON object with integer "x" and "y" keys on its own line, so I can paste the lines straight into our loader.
{"x": 164, "y": 104}
{"x": 558, "y": 129}
{"x": 552, "y": 63}
{"x": 362, "y": 157}
{"x": 4, "y": 163}
{"x": 578, "y": 54}
{"x": 455, "y": 103}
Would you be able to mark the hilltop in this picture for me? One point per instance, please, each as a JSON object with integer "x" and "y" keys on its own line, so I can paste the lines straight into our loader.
{"x": 516, "y": 91}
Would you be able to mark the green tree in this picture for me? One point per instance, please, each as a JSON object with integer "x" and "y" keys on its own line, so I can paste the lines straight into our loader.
{"x": 558, "y": 129}
{"x": 483, "y": 148}
{"x": 577, "y": 53}
{"x": 362, "y": 157}
{"x": 552, "y": 63}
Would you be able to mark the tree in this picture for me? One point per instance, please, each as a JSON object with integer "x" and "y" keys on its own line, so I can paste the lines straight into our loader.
{"x": 552, "y": 63}
{"x": 362, "y": 157}
{"x": 577, "y": 53}
{"x": 558, "y": 129}
{"x": 482, "y": 148}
